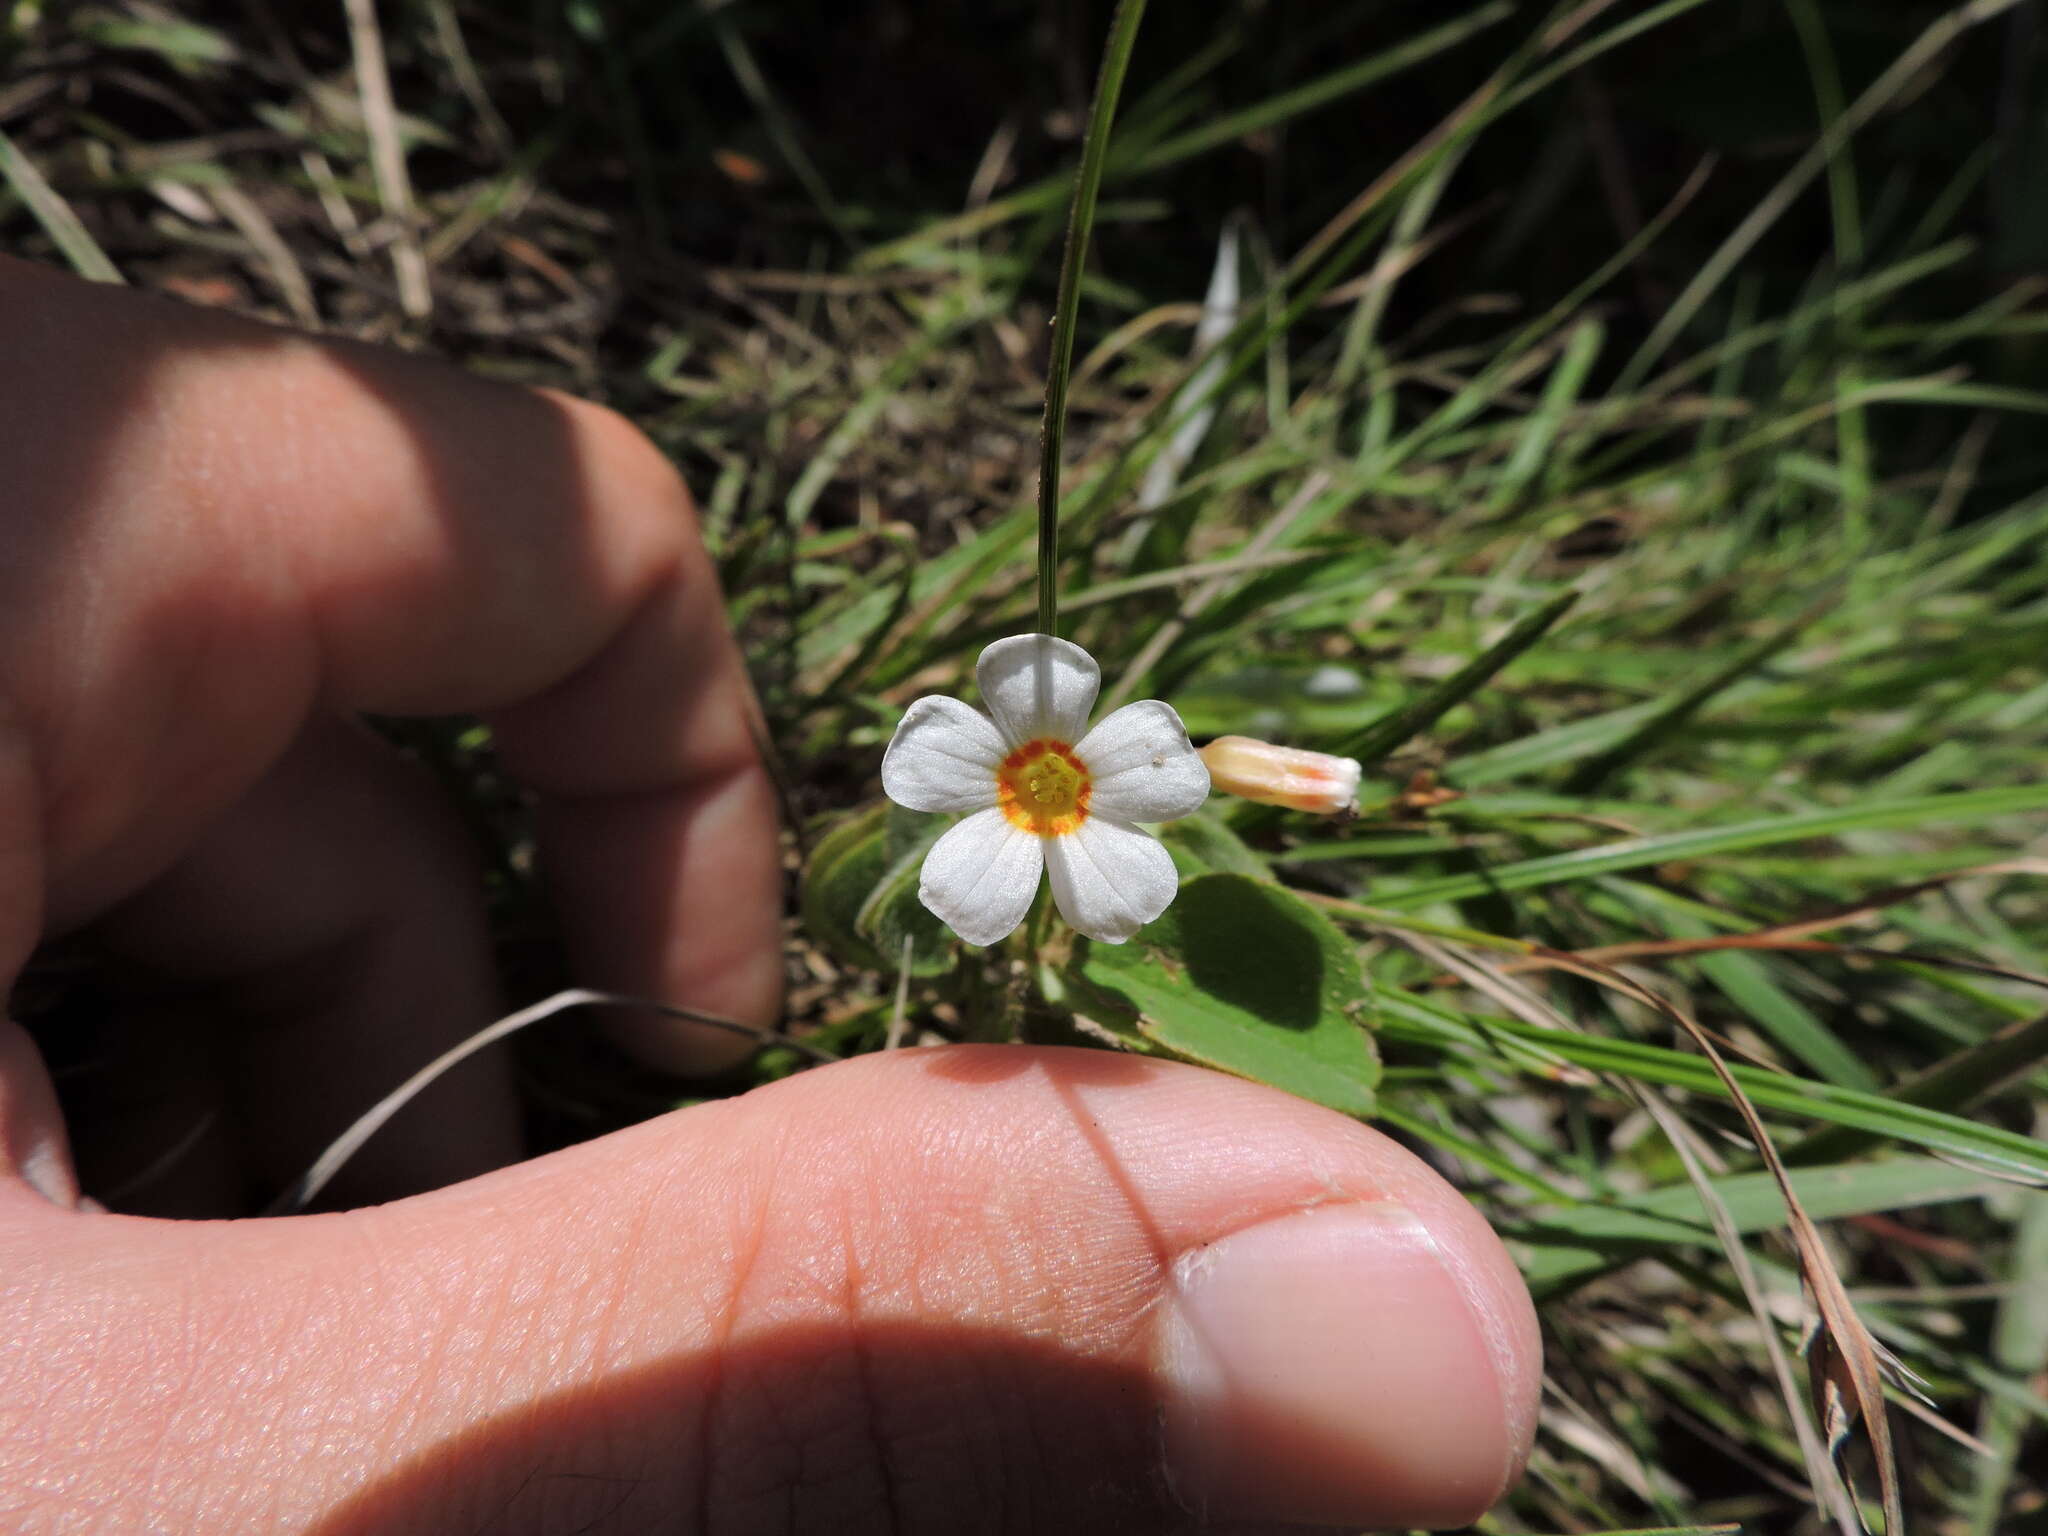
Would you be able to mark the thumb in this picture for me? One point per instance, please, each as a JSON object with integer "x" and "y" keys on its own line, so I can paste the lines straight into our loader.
{"x": 959, "y": 1289}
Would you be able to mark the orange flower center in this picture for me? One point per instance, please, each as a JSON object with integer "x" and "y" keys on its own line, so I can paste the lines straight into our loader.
{"x": 1043, "y": 788}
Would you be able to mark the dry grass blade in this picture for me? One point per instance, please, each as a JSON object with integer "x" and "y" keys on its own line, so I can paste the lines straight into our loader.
{"x": 2010, "y": 1046}
{"x": 1829, "y": 1486}
{"x": 1489, "y": 978}
{"x": 301, "y": 1192}
{"x": 1787, "y": 935}
{"x": 387, "y": 157}
{"x": 1846, "y": 1371}
{"x": 254, "y": 226}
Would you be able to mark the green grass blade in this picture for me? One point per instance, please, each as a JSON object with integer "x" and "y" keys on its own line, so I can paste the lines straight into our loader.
{"x": 1956, "y": 1083}
{"x": 1383, "y": 735}
{"x": 1262, "y": 116}
{"x": 1774, "y": 1093}
{"x": 1567, "y": 380}
{"x": 55, "y": 215}
{"x": 1963, "y": 806}
{"x": 1334, "y": 86}
{"x": 1575, "y": 1241}
{"x": 1880, "y": 93}
{"x": 2019, "y": 1346}
{"x": 1665, "y": 719}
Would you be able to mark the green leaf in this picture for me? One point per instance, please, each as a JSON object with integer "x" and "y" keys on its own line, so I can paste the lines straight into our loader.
{"x": 844, "y": 868}
{"x": 1203, "y": 844}
{"x": 860, "y": 892}
{"x": 892, "y": 912}
{"x": 1244, "y": 976}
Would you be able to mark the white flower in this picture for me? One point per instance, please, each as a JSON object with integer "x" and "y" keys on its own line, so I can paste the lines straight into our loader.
{"x": 1042, "y": 795}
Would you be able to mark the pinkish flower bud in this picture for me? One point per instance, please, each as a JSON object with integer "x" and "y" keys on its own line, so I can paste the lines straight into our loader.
{"x": 1301, "y": 781}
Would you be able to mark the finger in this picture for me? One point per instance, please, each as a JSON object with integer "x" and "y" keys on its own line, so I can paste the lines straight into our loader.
{"x": 215, "y": 528}
{"x": 327, "y": 933}
{"x": 940, "y": 1290}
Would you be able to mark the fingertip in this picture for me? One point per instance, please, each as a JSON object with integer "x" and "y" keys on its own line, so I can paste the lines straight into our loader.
{"x": 1338, "y": 1335}
{"x": 1326, "y": 1367}
{"x": 1340, "y": 1338}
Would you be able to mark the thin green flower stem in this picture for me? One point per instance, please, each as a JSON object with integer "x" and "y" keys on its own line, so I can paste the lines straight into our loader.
{"x": 1116, "y": 58}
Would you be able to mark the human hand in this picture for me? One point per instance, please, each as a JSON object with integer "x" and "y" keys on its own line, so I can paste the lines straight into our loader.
{"x": 939, "y": 1290}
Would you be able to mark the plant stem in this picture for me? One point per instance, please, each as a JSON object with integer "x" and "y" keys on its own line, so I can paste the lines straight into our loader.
{"x": 1116, "y": 58}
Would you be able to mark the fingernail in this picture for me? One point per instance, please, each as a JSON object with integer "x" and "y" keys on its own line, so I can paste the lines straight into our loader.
{"x": 1327, "y": 1368}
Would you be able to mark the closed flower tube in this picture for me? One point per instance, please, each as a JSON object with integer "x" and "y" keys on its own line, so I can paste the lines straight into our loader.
{"x": 1300, "y": 780}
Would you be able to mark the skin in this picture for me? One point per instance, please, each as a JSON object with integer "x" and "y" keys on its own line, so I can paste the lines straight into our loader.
{"x": 941, "y": 1290}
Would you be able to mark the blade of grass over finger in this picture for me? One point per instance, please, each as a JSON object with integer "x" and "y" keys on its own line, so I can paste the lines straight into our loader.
{"x": 1116, "y": 59}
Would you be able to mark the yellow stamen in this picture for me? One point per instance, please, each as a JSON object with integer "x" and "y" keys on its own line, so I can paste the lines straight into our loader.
{"x": 1043, "y": 788}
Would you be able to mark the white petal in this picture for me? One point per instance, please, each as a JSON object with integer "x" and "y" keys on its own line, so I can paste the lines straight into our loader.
{"x": 943, "y": 757}
{"x": 1142, "y": 764}
{"x": 1109, "y": 878}
{"x": 1038, "y": 686}
{"x": 980, "y": 877}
